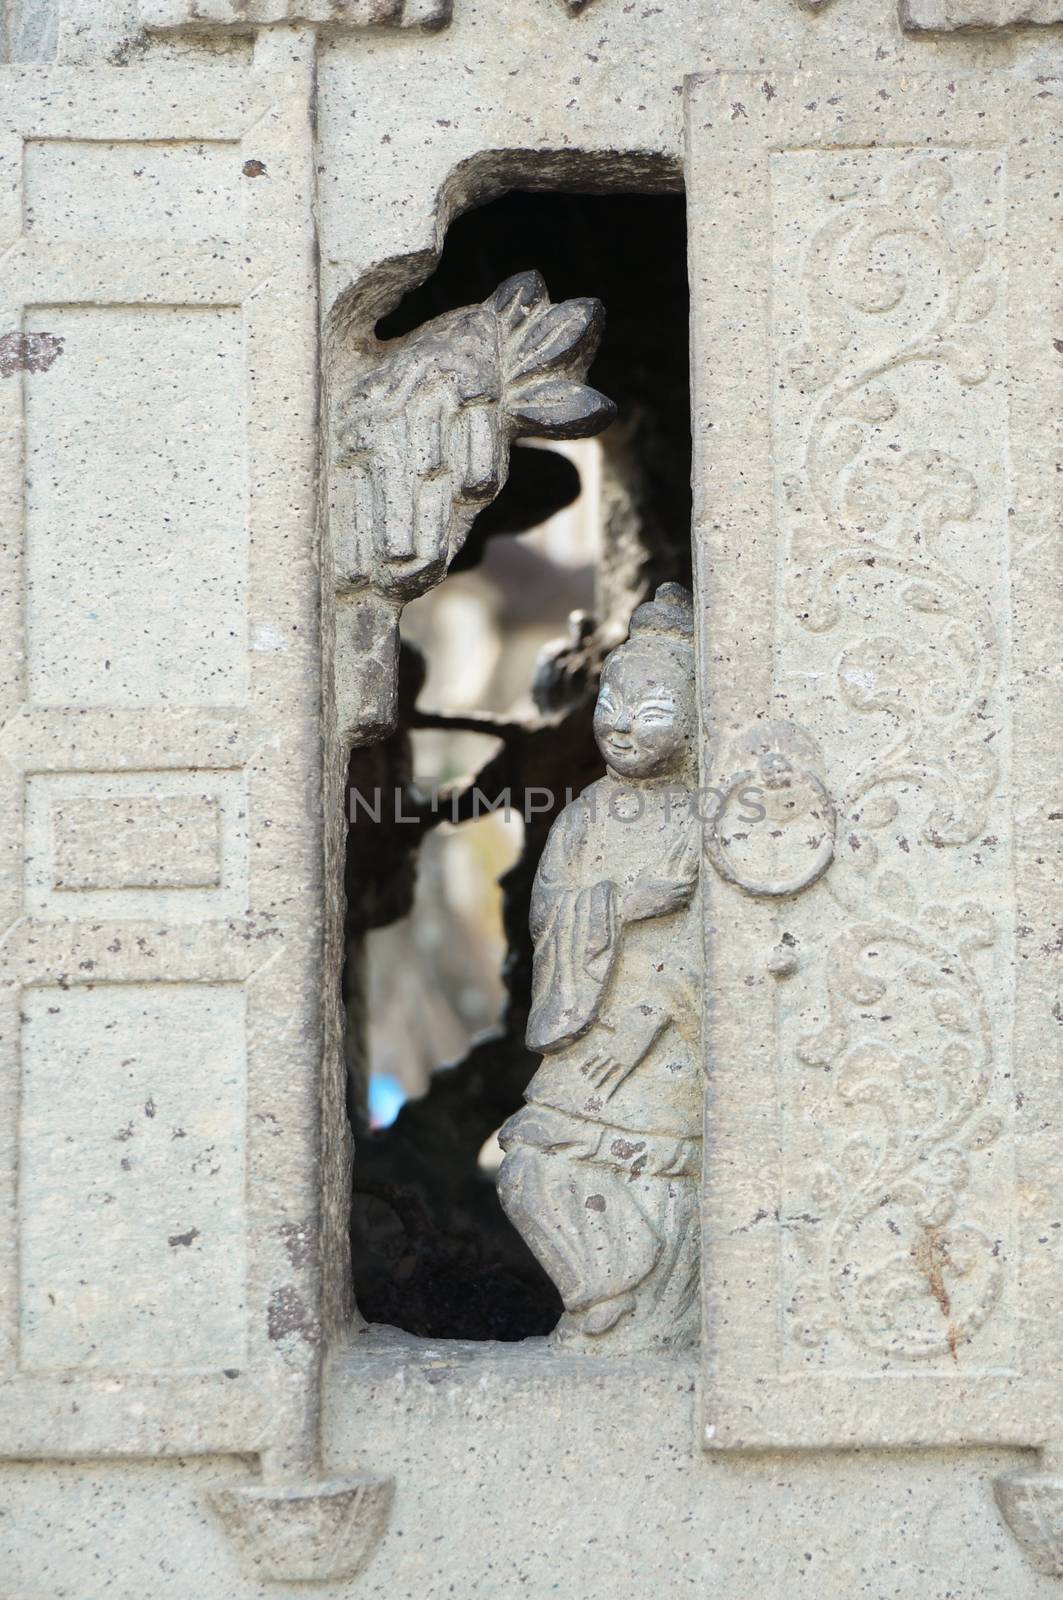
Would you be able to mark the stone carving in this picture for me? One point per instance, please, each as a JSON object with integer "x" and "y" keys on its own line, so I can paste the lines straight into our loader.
{"x": 162, "y": 15}
{"x": 786, "y": 842}
{"x": 895, "y": 1266}
{"x": 602, "y": 1167}
{"x": 900, "y": 1272}
{"x": 425, "y": 435}
{"x": 1031, "y": 1504}
{"x": 946, "y": 15}
{"x": 314, "y": 1532}
{"x": 422, "y": 444}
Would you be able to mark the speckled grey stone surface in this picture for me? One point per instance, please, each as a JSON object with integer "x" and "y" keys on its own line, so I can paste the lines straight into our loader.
{"x": 165, "y": 633}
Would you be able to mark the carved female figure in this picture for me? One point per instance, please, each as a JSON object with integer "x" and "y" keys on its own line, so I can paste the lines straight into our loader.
{"x": 603, "y": 1163}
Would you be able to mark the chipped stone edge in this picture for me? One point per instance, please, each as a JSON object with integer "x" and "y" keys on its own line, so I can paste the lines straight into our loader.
{"x": 1031, "y": 1504}
{"x": 316, "y": 1531}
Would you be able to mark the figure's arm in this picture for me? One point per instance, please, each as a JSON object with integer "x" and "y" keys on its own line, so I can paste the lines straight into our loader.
{"x": 665, "y": 886}
{"x": 575, "y": 926}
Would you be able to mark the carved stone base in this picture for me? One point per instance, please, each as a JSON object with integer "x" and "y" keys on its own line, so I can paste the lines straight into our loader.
{"x": 1031, "y": 1503}
{"x": 305, "y": 1532}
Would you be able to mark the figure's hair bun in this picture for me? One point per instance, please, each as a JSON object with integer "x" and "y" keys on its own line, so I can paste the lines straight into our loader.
{"x": 669, "y": 614}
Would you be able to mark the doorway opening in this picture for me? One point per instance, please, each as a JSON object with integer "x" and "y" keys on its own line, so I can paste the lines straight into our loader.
{"x": 498, "y": 676}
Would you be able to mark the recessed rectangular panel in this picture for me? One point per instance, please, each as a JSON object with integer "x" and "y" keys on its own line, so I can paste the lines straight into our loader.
{"x": 179, "y": 190}
{"x": 136, "y": 508}
{"x": 131, "y": 1158}
{"x": 136, "y": 844}
{"x": 170, "y": 843}
{"x": 889, "y": 427}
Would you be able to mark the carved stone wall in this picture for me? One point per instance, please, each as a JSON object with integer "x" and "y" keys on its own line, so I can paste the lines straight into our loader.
{"x": 877, "y": 1241}
{"x": 876, "y": 378}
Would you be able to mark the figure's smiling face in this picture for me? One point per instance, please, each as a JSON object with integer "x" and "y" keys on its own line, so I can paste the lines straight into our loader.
{"x": 644, "y": 719}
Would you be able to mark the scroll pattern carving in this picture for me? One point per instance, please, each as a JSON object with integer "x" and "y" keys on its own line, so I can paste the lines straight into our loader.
{"x": 889, "y": 284}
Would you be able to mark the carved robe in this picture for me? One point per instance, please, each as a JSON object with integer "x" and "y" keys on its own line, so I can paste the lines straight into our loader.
{"x": 603, "y": 1163}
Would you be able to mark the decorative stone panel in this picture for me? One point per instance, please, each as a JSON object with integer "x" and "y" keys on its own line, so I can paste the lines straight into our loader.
{"x": 159, "y": 707}
{"x": 873, "y": 301}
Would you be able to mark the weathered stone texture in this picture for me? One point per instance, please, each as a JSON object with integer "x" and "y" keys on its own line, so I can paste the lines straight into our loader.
{"x": 948, "y": 14}
{"x": 866, "y": 439}
{"x": 872, "y": 213}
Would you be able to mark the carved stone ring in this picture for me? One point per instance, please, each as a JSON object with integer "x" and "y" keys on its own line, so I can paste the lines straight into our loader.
{"x": 768, "y": 887}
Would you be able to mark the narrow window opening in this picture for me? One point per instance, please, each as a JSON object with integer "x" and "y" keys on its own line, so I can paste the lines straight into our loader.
{"x": 498, "y": 675}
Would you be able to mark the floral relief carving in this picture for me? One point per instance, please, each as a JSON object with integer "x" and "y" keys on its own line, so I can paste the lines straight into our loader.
{"x": 902, "y": 1274}
{"x": 892, "y": 289}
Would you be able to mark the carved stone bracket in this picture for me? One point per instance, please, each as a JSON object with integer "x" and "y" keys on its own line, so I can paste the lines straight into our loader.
{"x": 315, "y": 1532}
{"x": 1031, "y": 1503}
{"x": 772, "y": 829}
{"x": 421, "y": 444}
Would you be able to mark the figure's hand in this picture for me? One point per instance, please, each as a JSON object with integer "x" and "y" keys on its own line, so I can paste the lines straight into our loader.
{"x": 667, "y": 888}
{"x": 622, "y": 1046}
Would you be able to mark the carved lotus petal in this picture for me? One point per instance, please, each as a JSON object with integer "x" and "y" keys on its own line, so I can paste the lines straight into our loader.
{"x": 971, "y": 249}
{"x": 938, "y": 915}
{"x": 963, "y": 641}
{"x": 923, "y": 974}
{"x": 513, "y": 300}
{"x": 863, "y": 853}
{"x": 869, "y": 1065}
{"x": 552, "y": 336}
{"x": 943, "y": 696}
{"x": 921, "y": 180}
{"x": 938, "y": 1209}
{"x": 559, "y": 408}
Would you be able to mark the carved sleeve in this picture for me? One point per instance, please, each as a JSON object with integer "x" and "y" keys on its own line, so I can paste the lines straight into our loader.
{"x": 575, "y": 925}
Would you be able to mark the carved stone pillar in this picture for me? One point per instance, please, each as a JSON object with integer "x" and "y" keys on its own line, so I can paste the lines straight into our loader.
{"x": 880, "y": 1266}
